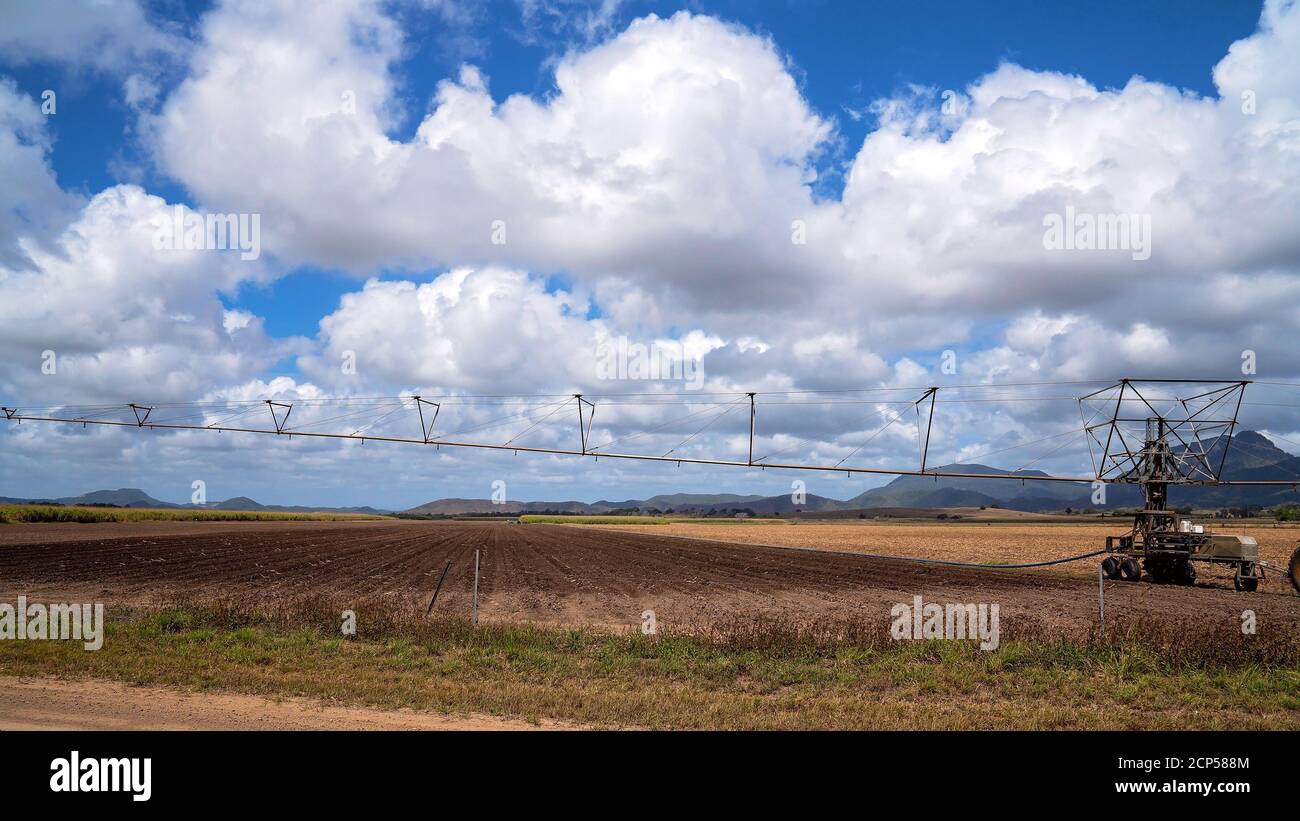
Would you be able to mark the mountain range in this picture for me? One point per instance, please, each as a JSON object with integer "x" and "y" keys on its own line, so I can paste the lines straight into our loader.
{"x": 1251, "y": 456}
{"x": 134, "y": 497}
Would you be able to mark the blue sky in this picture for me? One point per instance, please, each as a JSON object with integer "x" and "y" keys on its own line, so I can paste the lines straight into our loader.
{"x": 657, "y": 207}
{"x": 845, "y": 55}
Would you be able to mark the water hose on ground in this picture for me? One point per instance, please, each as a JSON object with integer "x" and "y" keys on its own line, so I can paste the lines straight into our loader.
{"x": 978, "y": 564}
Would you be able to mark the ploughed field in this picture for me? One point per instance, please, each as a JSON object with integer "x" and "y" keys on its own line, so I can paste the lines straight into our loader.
{"x": 579, "y": 575}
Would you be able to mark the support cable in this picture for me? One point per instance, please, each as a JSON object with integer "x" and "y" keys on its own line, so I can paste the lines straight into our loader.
{"x": 734, "y": 405}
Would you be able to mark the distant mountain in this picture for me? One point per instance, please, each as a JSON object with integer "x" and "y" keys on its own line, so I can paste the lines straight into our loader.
{"x": 238, "y": 503}
{"x": 923, "y": 491}
{"x": 247, "y": 504}
{"x": 1246, "y": 451}
{"x": 122, "y": 497}
{"x": 676, "y": 501}
{"x": 460, "y": 507}
{"x": 1251, "y": 456}
{"x": 954, "y": 497}
{"x": 136, "y": 498}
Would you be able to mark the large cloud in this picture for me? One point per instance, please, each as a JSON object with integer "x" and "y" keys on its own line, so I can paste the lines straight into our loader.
{"x": 32, "y": 206}
{"x": 124, "y": 320}
{"x": 676, "y": 155}
{"x": 678, "y": 151}
{"x": 112, "y": 36}
{"x": 466, "y": 330}
{"x": 661, "y": 177}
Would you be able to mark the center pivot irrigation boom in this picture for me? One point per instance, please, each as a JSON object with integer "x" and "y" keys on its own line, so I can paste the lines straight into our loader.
{"x": 1185, "y": 443}
{"x": 1145, "y": 437}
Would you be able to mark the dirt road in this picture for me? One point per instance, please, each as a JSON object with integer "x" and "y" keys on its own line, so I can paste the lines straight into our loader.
{"x": 56, "y": 704}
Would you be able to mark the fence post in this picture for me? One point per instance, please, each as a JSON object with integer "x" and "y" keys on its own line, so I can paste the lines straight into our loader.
{"x": 1101, "y": 598}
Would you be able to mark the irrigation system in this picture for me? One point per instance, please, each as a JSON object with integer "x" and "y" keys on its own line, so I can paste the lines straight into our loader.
{"x": 1153, "y": 433}
{"x": 1195, "y": 426}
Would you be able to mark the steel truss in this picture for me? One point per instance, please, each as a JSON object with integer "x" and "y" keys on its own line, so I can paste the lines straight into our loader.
{"x": 1143, "y": 444}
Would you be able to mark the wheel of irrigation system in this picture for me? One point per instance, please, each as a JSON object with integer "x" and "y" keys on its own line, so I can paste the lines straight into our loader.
{"x": 1293, "y": 569}
{"x": 1158, "y": 571}
{"x": 1110, "y": 566}
{"x": 1131, "y": 570}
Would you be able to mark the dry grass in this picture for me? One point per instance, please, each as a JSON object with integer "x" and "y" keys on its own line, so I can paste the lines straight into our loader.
{"x": 747, "y": 675}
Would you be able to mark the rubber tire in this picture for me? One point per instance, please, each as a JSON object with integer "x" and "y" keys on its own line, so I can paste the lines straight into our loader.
{"x": 1294, "y": 569}
{"x": 1246, "y": 584}
{"x": 1110, "y": 566}
{"x": 1185, "y": 574}
{"x": 1130, "y": 570}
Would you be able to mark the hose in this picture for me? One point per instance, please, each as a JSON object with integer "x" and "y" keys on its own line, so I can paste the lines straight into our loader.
{"x": 979, "y": 565}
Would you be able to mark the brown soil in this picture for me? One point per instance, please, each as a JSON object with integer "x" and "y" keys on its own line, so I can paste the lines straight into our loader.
{"x": 59, "y": 704}
{"x": 569, "y": 575}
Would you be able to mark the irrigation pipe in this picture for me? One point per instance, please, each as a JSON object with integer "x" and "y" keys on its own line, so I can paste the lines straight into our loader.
{"x": 978, "y": 565}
